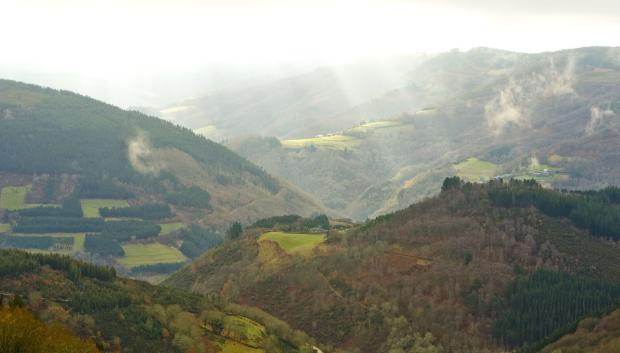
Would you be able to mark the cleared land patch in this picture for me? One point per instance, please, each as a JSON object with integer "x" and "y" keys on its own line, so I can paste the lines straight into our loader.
{"x": 5, "y": 227}
{"x": 473, "y": 169}
{"x": 91, "y": 207}
{"x": 376, "y": 125}
{"x": 335, "y": 142}
{"x": 243, "y": 329}
{"x": 149, "y": 254}
{"x": 167, "y": 228}
{"x": 294, "y": 243}
{"x": 13, "y": 198}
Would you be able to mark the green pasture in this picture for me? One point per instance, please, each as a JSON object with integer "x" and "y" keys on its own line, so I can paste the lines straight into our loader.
{"x": 473, "y": 169}
{"x": 375, "y": 126}
{"x": 294, "y": 243}
{"x": 167, "y": 228}
{"x": 149, "y": 254}
{"x": 335, "y": 142}
{"x": 91, "y": 207}
{"x": 13, "y": 198}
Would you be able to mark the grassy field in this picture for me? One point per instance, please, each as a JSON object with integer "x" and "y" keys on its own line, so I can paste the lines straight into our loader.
{"x": 473, "y": 169}
{"x": 5, "y": 227}
{"x": 375, "y": 126}
{"x": 294, "y": 243}
{"x": 149, "y": 254}
{"x": 13, "y": 198}
{"x": 91, "y": 207}
{"x": 253, "y": 332}
{"x": 167, "y": 228}
{"x": 335, "y": 142}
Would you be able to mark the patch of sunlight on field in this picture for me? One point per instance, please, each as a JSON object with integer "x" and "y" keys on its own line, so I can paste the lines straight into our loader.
{"x": 294, "y": 243}
{"x": 473, "y": 169}
{"x": 167, "y": 228}
{"x": 4, "y": 227}
{"x": 91, "y": 207}
{"x": 252, "y": 332}
{"x": 149, "y": 254}
{"x": 336, "y": 142}
{"x": 13, "y": 198}
{"x": 230, "y": 346}
{"x": 376, "y": 125}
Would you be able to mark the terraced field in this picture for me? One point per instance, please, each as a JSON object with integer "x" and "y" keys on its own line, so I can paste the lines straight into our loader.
{"x": 91, "y": 207}
{"x": 149, "y": 254}
{"x": 295, "y": 243}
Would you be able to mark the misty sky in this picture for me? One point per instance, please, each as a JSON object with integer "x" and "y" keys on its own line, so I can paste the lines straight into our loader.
{"x": 117, "y": 39}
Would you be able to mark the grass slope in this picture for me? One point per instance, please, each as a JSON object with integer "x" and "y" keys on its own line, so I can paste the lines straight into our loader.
{"x": 294, "y": 243}
{"x": 149, "y": 254}
{"x": 473, "y": 169}
{"x": 167, "y": 228}
{"x": 13, "y": 198}
{"x": 91, "y": 207}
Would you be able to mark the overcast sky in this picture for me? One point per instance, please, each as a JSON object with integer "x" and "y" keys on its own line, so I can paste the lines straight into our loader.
{"x": 121, "y": 38}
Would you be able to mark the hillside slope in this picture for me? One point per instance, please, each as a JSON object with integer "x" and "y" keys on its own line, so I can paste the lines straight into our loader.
{"x": 452, "y": 272}
{"x": 121, "y": 315}
{"x": 552, "y": 116}
{"x": 44, "y": 131}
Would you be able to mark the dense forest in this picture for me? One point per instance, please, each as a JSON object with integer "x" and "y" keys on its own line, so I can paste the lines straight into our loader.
{"x": 546, "y": 305}
{"x": 593, "y": 210}
{"x": 98, "y": 139}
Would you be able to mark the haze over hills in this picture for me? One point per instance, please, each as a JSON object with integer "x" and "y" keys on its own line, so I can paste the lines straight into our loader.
{"x": 310, "y": 176}
{"x": 478, "y": 114}
{"x": 294, "y": 106}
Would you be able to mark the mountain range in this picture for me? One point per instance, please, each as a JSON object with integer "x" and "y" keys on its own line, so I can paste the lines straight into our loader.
{"x": 480, "y": 114}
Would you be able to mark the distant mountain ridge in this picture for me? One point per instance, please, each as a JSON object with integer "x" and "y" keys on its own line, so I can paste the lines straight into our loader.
{"x": 480, "y": 114}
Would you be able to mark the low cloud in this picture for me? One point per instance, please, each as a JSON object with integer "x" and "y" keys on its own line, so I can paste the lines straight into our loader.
{"x": 598, "y": 117}
{"x": 141, "y": 156}
{"x": 514, "y": 103}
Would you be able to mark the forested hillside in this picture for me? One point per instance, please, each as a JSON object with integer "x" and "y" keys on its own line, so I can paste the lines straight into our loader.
{"x": 460, "y": 272}
{"x": 117, "y": 187}
{"x": 57, "y": 132}
{"x": 121, "y": 315}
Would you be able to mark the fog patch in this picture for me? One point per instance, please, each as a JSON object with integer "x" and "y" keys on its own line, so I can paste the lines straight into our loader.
{"x": 598, "y": 117}
{"x": 514, "y": 103}
{"x": 141, "y": 156}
